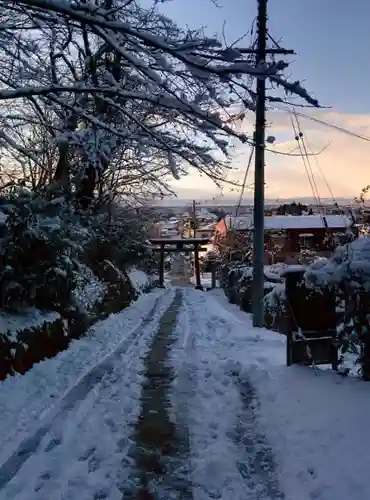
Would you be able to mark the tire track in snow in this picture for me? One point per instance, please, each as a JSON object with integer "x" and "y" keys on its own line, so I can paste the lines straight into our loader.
{"x": 74, "y": 396}
{"x": 162, "y": 445}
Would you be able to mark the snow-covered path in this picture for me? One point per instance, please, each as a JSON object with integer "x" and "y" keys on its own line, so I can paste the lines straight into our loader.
{"x": 168, "y": 413}
{"x": 168, "y": 388}
{"x": 230, "y": 455}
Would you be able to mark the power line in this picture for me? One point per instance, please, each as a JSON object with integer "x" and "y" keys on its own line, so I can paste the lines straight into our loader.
{"x": 307, "y": 157}
{"x": 331, "y": 125}
{"x": 322, "y": 175}
{"x": 244, "y": 182}
{"x": 299, "y": 136}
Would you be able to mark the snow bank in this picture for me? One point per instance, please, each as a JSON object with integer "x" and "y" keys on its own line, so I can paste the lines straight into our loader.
{"x": 319, "y": 426}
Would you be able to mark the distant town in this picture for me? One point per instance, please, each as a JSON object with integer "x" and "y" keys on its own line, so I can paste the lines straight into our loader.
{"x": 293, "y": 230}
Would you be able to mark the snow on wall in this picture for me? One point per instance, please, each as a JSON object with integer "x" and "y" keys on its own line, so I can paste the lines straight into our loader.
{"x": 11, "y": 324}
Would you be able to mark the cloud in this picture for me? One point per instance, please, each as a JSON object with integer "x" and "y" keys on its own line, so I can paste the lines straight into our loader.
{"x": 343, "y": 165}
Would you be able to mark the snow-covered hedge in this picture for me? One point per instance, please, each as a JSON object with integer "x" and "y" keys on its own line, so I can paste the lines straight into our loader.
{"x": 58, "y": 260}
{"x": 349, "y": 268}
{"x": 236, "y": 280}
{"x": 347, "y": 273}
{"x": 89, "y": 289}
{"x": 276, "y": 311}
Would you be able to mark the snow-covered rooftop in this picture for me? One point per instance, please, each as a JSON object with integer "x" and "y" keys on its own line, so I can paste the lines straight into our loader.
{"x": 291, "y": 222}
{"x": 306, "y": 221}
{"x": 239, "y": 223}
{"x": 168, "y": 224}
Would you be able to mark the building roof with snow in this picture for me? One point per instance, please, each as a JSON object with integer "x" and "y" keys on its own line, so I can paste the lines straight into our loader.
{"x": 239, "y": 223}
{"x": 281, "y": 222}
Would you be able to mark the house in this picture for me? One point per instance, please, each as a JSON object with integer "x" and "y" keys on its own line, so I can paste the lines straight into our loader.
{"x": 165, "y": 229}
{"x": 241, "y": 225}
{"x": 205, "y": 224}
{"x": 205, "y": 231}
{"x": 287, "y": 235}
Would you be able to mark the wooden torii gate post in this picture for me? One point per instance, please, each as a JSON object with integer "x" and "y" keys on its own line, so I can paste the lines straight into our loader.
{"x": 183, "y": 245}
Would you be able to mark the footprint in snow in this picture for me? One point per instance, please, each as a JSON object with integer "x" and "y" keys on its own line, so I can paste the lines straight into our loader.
{"x": 53, "y": 443}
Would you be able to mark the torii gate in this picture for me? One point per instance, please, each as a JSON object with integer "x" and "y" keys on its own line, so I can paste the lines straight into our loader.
{"x": 185, "y": 245}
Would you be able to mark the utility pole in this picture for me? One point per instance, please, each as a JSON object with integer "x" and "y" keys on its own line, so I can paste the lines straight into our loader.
{"x": 259, "y": 167}
{"x": 259, "y": 173}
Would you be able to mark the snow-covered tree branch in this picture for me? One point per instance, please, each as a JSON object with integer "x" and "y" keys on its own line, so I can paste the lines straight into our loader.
{"x": 119, "y": 92}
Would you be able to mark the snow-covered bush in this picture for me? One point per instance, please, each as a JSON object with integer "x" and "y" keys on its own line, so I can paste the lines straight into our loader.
{"x": 210, "y": 259}
{"x": 49, "y": 250}
{"x": 347, "y": 272}
{"x": 89, "y": 289}
{"x": 236, "y": 280}
{"x": 348, "y": 269}
{"x": 121, "y": 238}
{"x": 38, "y": 253}
{"x": 307, "y": 256}
{"x": 230, "y": 276}
{"x": 276, "y": 308}
{"x": 140, "y": 280}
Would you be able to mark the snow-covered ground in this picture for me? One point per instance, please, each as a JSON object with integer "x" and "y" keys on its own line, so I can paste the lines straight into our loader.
{"x": 36, "y": 408}
{"x": 315, "y": 421}
{"x": 228, "y": 446}
{"x": 205, "y": 278}
{"x": 256, "y": 429}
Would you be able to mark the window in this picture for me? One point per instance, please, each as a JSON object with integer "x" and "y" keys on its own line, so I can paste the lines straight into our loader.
{"x": 306, "y": 241}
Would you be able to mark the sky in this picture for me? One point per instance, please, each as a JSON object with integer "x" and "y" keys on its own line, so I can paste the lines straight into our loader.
{"x": 331, "y": 39}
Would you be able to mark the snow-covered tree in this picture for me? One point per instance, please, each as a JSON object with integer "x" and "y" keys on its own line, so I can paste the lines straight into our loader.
{"x": 126, "y": 97}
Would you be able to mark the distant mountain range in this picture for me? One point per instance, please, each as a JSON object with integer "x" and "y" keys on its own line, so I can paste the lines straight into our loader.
{"x": 232, "y": 200}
